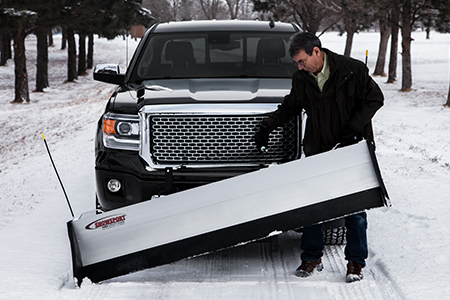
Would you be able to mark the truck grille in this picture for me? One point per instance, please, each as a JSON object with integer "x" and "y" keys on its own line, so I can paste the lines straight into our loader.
{"x": 218, "y": 139}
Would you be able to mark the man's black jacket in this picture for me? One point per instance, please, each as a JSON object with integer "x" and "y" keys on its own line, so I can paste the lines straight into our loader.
{"x": 337, "y": 107}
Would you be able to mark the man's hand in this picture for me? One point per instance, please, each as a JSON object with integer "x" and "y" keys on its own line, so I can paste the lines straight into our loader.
{"x": 262, "y": 137}
{"x": 349, "y": 137}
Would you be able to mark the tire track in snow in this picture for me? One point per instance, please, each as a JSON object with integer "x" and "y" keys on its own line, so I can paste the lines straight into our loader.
{"x": 381, "y": 274}
{"x": 377, "y": 283}
{"x": 252, "y": 271}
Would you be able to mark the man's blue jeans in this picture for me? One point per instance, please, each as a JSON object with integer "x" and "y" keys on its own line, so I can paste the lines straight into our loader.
{"x": 356, "y": 248}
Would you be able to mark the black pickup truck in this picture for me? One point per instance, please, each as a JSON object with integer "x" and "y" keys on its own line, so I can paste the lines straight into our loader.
{"x": 187, "y": 108}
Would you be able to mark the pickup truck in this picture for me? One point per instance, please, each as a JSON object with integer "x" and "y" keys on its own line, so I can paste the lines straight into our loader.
{"x": 187, "y": 108}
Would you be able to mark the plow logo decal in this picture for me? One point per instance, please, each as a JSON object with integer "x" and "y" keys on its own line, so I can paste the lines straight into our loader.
{"x": 107, "y": 222}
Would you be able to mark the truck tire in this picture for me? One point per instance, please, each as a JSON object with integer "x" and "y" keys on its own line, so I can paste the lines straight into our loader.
{"x": 334, "y": 235}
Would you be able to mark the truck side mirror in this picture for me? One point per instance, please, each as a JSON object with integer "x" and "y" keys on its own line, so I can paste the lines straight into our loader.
{"x": 109, "y": 73}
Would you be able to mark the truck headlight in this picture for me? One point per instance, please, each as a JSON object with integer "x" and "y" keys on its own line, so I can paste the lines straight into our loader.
{"x": 121, "y": 131}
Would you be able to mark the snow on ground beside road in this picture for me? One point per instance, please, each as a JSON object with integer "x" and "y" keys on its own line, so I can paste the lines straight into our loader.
{"x": 408, "y": 242}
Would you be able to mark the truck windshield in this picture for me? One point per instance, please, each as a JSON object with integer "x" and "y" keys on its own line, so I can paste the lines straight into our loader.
{"x": 216, "y": 55}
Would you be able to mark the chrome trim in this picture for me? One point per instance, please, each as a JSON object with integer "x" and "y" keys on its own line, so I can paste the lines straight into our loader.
{"x": 233, "y": 109}
{"x": 107, "y": 69}
{"x": 121, "y": 117}
{"x": 198, "y": 109}
{"x": 123, "y": 144}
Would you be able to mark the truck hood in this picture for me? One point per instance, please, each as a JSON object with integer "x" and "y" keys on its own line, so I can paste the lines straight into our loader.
{"x": 182, "y": 91}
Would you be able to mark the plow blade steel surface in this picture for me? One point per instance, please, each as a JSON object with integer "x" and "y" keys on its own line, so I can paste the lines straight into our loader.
{"x": 226, "y": 213}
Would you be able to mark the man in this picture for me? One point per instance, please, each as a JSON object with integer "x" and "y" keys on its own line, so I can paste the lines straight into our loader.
{"x": 330, "y": 88}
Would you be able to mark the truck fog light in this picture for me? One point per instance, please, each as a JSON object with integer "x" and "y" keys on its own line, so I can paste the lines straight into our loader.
{"x": 114, "y": 185}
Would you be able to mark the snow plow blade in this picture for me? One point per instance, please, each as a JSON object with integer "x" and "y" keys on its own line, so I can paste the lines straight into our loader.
{"x": 226, "y": 213}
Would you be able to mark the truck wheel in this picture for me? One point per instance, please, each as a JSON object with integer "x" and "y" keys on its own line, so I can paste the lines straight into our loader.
{"x": 334, "y": 236}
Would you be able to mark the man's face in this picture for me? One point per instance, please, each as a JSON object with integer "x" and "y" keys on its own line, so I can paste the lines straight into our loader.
{"x": 312, "y": 63}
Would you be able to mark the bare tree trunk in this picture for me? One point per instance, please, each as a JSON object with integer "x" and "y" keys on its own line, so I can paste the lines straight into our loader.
{"x": 90, "y": 53}
{"x": 448, "y": 98}
{"x": 42, "y": 60}
{"x": 394, "y": 45}
{"x": 81, "y": 54}
{"x": 20, "y": 68}
{"x": 71, "y": 55}
{"x": 384, "y": 39}
{"x": 349, "y": 43}
{"x": 2, "y": 49}
{"x": 5, "y": 48}
{"x": 50, "y": 37}
{"x": 63, "y": 37}
{"x": 350, "y": 28}
{"x": 406, "y": 46}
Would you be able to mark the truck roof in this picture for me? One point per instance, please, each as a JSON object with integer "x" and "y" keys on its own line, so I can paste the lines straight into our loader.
{"x": 224, "y": 25}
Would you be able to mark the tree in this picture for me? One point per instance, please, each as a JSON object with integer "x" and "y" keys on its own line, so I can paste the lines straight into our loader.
{"x": 356, "y": 15}
{"x": 177, "y": 10}
{"x": 71, "y": 55}
{"x": 63, "y": 37}
{"x": 407, "y": 21}
{"x": 411, "y": 11}
{"x": 161, "y": 10}
{"x": 5, "y": 47}
{"x": 75, "y": 14}
{"x": 442, "y": 22}
{"x": 234, "y": 7}
{"x": 427, "y": 21}
{"x": 50, "y": 37}
{"x": 108, "y": 18}
{"x": 394, "y": 21}
{"x": 310, "y": 14}
{"x": 188, "y": 10}
{"x": 18, "y": 20}
{"x": 239, "y": 9}
{"x": 273, "y": 10}
{"x": 81, "y": 53}
{"x": 20, "y": 67}
{"x": 42, "y": 59}
{"x": 385, "y": 32}
{"x": 448, "y": 98}
{"x": 48, "y": 16}
{"x": 211, "y": 8}
{"x": 90, "y": 52}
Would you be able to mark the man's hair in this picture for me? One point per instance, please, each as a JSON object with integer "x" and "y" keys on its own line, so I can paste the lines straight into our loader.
{"x": 303, "y": 41}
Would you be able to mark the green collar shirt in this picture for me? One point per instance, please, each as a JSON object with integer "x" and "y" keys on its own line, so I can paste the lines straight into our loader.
{"x": 323, "y": 76}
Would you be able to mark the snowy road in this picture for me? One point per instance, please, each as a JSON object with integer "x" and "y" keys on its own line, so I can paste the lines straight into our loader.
{"x": 252, "y": 271}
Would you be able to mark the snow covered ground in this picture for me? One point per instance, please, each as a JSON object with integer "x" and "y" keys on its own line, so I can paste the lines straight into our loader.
{"x": 409, "y": 242}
